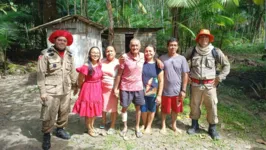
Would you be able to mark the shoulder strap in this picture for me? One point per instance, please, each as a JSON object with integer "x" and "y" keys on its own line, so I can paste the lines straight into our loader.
{"x": 193, "y": 52}
{"x": 215, "y": 55}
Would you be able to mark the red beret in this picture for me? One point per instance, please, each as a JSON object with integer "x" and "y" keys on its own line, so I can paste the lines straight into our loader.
{"x": 63, "y": 33}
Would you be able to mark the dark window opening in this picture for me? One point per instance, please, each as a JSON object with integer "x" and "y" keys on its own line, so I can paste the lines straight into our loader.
{"x": 128, "y": 37}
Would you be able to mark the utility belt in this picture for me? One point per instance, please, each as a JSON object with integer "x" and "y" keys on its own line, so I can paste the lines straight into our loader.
{"x": 209, "y": 81}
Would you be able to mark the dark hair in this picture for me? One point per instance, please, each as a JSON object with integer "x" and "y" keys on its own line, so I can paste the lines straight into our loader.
{"x": 172, "y": 39}
{"x": 110, "y": 46}
{"x": 90, "y": 68}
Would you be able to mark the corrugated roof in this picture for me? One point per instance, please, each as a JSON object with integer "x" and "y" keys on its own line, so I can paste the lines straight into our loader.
{"x": 66, "y": 18}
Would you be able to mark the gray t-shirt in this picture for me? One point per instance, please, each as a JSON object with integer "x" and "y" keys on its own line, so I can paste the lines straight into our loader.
{"x": 173, "y": 69}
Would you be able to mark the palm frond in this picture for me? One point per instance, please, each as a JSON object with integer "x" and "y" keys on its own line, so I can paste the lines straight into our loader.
{"x": 182, "y": 3}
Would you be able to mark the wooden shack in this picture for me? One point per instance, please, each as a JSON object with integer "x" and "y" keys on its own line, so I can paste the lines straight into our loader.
{"x": 122, "y": 37}
{"x": 86, "y": 34}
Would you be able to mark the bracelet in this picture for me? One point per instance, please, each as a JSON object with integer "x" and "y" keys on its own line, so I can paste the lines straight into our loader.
{"x": 183, "y": 91}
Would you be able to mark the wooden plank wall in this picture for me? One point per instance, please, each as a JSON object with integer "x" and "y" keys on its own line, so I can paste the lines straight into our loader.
{"x": 85, "y": 37}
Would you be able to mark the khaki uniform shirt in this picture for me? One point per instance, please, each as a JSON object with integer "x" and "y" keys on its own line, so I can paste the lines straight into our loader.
{"x": 203, "y": 66}
{"x": 55, "y": 75}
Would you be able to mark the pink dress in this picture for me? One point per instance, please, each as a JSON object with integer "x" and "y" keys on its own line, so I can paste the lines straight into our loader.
{"x": 90, "y": 101}
{"x": 109, "y": 73}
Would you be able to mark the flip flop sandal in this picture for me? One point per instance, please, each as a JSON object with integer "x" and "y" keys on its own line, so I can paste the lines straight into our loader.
{"x": 139, "y": 134}
{"x": 102, "y": 126}
{"x": 123, "y": 133}
{"x": 93, "y": 133}
{"x": 111, "y": 131}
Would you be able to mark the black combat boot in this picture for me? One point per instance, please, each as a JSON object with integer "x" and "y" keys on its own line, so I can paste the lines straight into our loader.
{"x": 61, "y": 133}
{"x": 213, "y": 133}
{"x": 46, "y": 143}
{"x": 194, "y": 127}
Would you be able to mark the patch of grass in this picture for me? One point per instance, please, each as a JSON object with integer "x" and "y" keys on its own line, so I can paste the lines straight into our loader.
{"x": 244, "y": 49}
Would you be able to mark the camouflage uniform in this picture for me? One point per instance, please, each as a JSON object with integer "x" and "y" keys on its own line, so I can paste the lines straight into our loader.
{"x": 55, "y": 77}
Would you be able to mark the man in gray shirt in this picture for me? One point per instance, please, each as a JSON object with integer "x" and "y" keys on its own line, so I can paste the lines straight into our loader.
{"x": 175, "y": 83}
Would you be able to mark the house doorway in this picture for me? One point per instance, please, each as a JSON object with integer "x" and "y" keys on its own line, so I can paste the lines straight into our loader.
{"x": 128, "y": 37}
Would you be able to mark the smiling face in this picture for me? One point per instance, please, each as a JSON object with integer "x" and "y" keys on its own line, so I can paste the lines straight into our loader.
{"x": 204, "y": 40}
{"x": 95, "y": 55}
{"x": 134, "y": 46}
{"x": 149, "y": 53}
{"x": 110, "y": 53}
{"x": 60, "y": 43}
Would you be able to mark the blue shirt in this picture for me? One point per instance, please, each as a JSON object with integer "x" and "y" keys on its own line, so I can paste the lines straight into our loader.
{"x": 150, "y": 78}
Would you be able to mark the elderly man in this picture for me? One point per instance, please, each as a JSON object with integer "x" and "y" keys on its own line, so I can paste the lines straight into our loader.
{"x": 130, "y": 80}
{"x": 204, "y": 80}
{"x": 55, "y": 77}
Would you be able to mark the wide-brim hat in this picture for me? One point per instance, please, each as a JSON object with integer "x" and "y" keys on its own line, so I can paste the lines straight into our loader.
{"x": 205, "y": 32}
{"x": 63, "y": 33}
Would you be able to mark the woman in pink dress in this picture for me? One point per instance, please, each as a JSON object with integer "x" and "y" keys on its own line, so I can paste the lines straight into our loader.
{"x": 109, "y": 68}
{"x": 90, "y": 103}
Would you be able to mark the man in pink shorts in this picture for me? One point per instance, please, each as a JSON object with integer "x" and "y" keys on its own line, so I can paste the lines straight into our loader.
{"x": 175, "y": 83}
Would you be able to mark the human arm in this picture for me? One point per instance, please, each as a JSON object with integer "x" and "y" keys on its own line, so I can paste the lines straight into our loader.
{"x": 81, "y": 78}
{"x": 73, "y": 77}
{"x": 41, "y": 71}
{"x": 117, "y": 82}
{"x": 159, "y": 63}
{"x": 160, "y": 87}
{"x": 225, "y": 67}
{"x": 184, "y": 85}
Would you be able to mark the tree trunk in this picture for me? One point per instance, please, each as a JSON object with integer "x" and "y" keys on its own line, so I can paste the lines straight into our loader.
{"x": 81, "y": 7}
{"x": 75, "y": 7}
{"x": 111, "y": 22}
{"x": 67, "y": 7}
{"x": 49, "y": 10}
{"x": 264, "y": 26}
{"x": 175, "y": 14}
{"x": 86, "y": 8}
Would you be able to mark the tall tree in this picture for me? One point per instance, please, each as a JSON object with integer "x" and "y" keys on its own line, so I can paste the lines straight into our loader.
{"x": 111, "y": 22}
{"x": 176, "y": 6}
{"x": 49, "y": 10}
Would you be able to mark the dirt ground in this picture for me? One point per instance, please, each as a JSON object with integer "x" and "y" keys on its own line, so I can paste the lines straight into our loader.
{"x": 20, "y": 127}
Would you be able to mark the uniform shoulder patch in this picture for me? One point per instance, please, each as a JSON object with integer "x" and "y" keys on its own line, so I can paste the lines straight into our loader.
{"x": 40, "y": 57}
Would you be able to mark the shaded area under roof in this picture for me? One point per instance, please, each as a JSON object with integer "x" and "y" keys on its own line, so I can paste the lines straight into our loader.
{"x": 66, "y": 18}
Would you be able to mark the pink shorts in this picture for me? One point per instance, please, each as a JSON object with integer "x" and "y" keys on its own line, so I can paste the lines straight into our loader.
{"x": 169, "y": 102}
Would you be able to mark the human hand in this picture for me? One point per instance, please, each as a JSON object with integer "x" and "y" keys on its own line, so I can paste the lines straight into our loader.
{"x": 182, "y": 94}
{"x": 121, "y": 60}
{"x": 160, "y": 63}
{"x": 158, "y": 100}
{"x": 75, "y": 91}
{"x": 216, "y": 81}
{"x": 43, "y": 97}
{"x": 116, "y": 92}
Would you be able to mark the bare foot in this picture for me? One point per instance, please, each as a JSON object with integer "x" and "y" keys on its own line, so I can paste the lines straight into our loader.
{"x": 163, "y": 131}
{"x": 176, "y": 130}
{"x": 142, "y": 128}
{"x": 123, "y": 132}
{"x": 147, "y": 131}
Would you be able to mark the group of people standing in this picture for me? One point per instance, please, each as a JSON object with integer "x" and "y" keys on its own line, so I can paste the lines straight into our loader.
{"x": 136, "y": 77}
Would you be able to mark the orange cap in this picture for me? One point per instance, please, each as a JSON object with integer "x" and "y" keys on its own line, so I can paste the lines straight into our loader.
{"x": 205, "y": 32}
